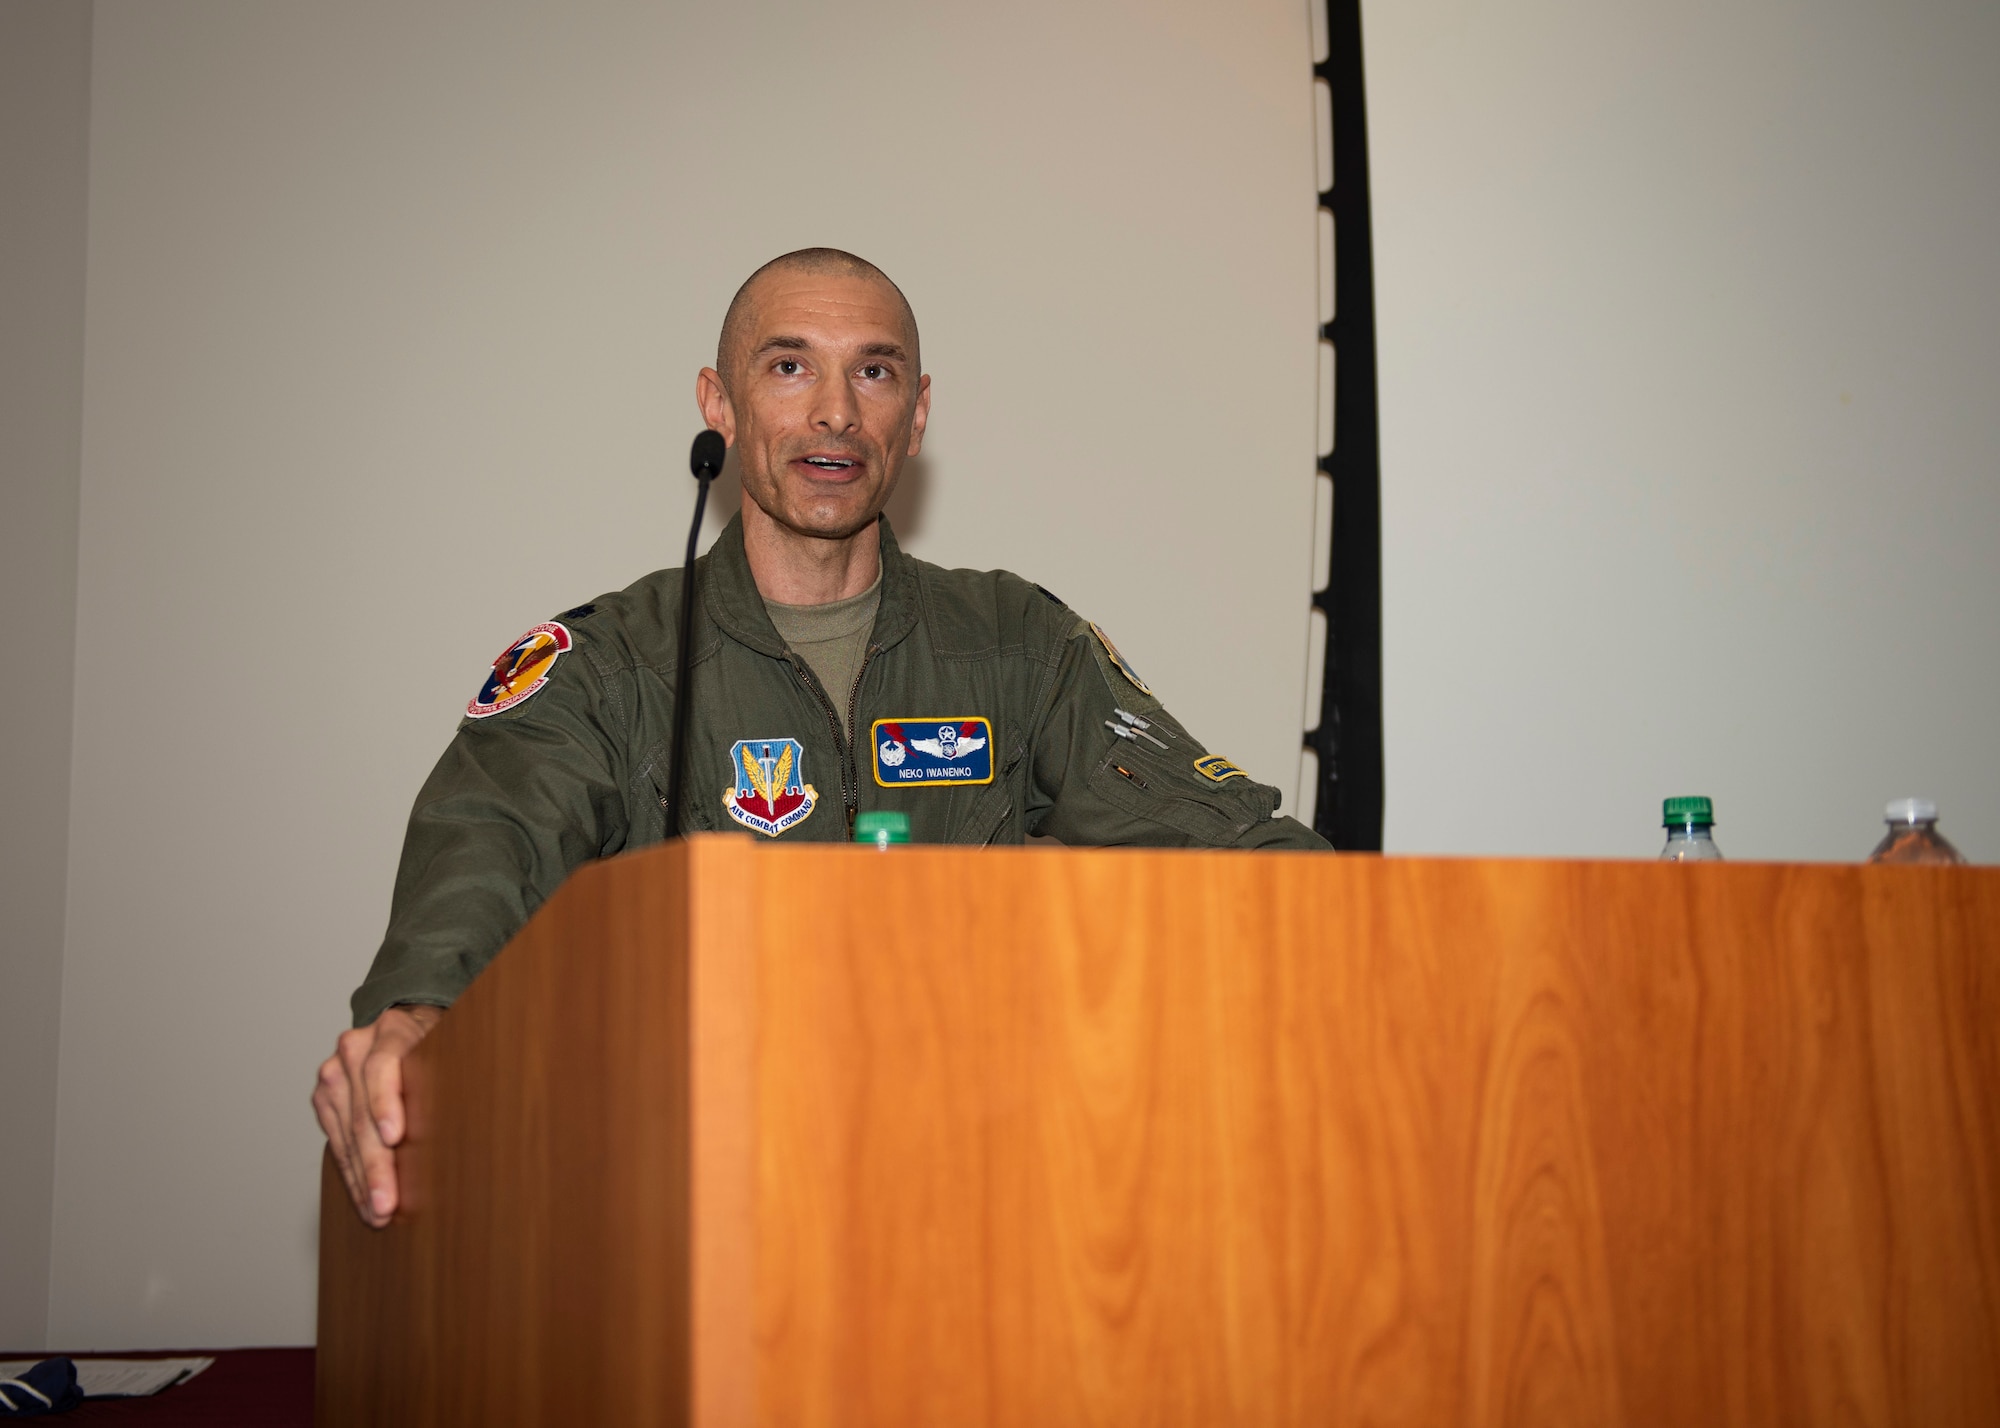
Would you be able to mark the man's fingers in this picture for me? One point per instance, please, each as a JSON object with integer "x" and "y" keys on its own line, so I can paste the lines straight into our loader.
{"x": 382, "y": 1083}
{"x": 331, "y": 1103}
{"x": 372, "y": 1164}
{"x": 377, "y": 1171}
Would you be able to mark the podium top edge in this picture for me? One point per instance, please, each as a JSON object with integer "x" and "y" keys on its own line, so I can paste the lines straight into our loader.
{"x": 729, "y": 841}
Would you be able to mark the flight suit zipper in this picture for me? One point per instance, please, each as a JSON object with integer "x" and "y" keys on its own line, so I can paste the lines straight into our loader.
{"x": 853, "y": 756}
{"x": 850, "y": 768}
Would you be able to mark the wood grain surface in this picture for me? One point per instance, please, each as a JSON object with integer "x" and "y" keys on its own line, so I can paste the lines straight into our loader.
{"x": 537, "y": 1271}
{"x": 1036, "y": 1136}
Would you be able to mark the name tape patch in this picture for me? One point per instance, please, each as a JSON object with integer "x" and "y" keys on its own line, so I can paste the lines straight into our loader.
{"x": 932, "y": 752}
{"x": 1216, "y": 767}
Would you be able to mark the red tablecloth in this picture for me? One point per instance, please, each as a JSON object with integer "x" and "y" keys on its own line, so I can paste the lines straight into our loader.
{"x": 243, "y": 1388}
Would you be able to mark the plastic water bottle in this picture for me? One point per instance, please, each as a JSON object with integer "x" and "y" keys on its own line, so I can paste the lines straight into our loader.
{"x": 1688, "y": 821}
{"x": 1913, "y": 835}
{"x": 882, "y": 828}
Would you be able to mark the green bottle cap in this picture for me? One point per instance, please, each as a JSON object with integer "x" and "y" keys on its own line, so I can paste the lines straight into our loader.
{"x": 882, "y": 828}
{"x": 1679, "y": 812}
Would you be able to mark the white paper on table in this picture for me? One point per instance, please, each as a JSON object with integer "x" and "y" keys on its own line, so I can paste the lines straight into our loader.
{"x": 119, "y": 1378}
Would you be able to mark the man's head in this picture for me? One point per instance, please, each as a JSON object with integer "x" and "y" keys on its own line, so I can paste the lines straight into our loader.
{"x": 817, "y": 384}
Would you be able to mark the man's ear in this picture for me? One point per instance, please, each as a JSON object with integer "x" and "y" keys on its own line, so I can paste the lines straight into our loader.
{"x": 922, "y": 417}
{"x": 717, "y": 413}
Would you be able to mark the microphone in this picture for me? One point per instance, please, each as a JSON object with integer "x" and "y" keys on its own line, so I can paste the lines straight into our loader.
{"x": 705, "y": 462}
{"x": 706, "y": 458}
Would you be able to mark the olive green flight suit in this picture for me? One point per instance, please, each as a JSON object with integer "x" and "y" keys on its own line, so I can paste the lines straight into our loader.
{"x": 578, "y": 770}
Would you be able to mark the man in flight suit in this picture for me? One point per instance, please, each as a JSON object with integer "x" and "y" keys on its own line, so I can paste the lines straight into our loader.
{"x": 831, "y": 674}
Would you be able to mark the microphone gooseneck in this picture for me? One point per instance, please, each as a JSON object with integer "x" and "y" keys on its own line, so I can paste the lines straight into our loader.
{"x": 705, "y": 462}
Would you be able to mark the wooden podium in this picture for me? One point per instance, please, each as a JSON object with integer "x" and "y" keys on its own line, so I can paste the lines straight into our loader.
{"x": 740, "y": 1133}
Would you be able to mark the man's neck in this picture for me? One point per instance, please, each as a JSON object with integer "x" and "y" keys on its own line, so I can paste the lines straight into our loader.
{"x": 792, "y": 569}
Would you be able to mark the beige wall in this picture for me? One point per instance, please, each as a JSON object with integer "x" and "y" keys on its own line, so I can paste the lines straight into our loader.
{"x": 44, "y": 155}
{"x": 395, "y": 312}
{"x": 1690, "y": 327}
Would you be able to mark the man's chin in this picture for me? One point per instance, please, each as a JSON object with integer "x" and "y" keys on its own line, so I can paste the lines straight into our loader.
{"x": 825, "y": 520}
{"x": 844, "y": 527}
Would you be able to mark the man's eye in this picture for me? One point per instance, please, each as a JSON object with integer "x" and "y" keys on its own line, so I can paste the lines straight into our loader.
{"x": 874, "y": 370}
{"x": 787, "y": 367}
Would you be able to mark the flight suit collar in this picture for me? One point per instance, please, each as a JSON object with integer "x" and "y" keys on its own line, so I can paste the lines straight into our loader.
{"x": 730, "y": 594}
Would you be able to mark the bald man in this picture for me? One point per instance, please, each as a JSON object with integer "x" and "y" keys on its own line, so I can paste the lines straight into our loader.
{"x": 832, "y": 674}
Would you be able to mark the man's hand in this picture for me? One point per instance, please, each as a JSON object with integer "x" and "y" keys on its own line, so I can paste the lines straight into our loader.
{"x": 359, "y": 1100}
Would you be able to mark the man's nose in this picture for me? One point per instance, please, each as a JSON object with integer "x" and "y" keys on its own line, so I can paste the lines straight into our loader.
{"x": 834, "y": 408}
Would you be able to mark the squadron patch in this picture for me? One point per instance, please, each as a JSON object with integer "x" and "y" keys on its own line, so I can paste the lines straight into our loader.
{"x": 769, "y": 793}
{"x": 1118, "y": 660}
{"x": 522, "y": 669}
{"x": 932, "y": 752}
{"x": 1216, "y": 767}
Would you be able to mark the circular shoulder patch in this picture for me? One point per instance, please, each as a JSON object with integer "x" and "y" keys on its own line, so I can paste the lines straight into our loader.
{"x": 522, "y": 669}
{"x": 1118, "y": 660}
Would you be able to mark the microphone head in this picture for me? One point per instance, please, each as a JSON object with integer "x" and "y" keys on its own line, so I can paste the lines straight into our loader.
{"x": 705, "y": 461}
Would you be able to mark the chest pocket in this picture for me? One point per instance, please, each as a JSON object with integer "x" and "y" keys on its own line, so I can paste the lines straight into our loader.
{"x": 990, "y": 816}
{"x": 984, "y": 817}
{"x": 649, "y": 792}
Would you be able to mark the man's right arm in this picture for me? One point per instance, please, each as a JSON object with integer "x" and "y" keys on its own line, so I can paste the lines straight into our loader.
{"x": 516, "y": 802}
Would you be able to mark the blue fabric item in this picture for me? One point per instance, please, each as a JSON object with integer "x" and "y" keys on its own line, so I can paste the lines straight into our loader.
{"x": 48, "y": 1387}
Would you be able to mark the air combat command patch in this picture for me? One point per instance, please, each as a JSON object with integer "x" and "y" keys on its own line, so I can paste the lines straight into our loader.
{"x": 931, "y": 752}
{"x": 522, "y": 669}
{"x": 1216, "y": 767}
{"x": 770, "y": 793}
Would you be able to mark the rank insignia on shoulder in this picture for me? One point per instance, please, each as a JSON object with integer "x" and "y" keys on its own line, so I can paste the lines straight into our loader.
{"x": 520, "y": 671}
{"x": 932, "y": 752}
{"x": 1118, "y": 661}
{"x": 1216, "y": 767}
{"x": 768, "y": 792}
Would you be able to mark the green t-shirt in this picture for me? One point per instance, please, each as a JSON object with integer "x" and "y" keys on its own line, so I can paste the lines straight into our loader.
{"x": 831, "y": 638}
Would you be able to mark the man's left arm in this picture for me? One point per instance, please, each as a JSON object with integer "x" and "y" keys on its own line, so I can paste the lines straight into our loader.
{"x": 1153, "y": 786}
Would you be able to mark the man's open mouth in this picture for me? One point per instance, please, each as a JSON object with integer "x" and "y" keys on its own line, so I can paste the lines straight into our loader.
{"x": 829, "y": 463}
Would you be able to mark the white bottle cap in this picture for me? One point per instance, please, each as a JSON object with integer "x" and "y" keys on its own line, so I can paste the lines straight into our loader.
{"x": 1910, "y": 810}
